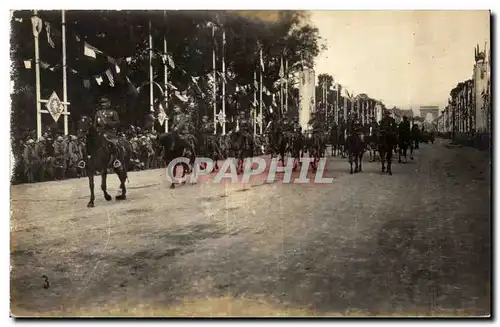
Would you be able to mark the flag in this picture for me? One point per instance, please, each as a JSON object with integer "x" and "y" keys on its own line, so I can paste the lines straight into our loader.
{"x": 117, "y": 69}
{"x": 27, "y": 64}
{"x": 77, "y": 38}
{"x": 261, "y": 61}
{"x": 44, "y": 64}
{"x": 99, "y": 80}
{"x": 89, "y": 50}
{"x": 282, "y": 72}
{"x": 49, "y": 38}
{"x": 181, "y": 97}
{"x": 19, "y": 20}
{"x": 171, "y": 62}
{"x": 128, "y": 59}
{"x": 86, "y": 83}
{"x": 110, "y": 78}
{"x": 37, "y": 25}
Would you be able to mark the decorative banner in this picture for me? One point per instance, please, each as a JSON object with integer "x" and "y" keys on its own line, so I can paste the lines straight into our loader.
{"x": 110, "y": 78}
{"x": 162, "y": 116}
{"x": 89, "y": 50}
{"x": 99, "y": 80}
{"x": 49, "y": 39}
{"x": 220, "y": 118}
{"x": 37, "y": 25}
{"x": 54, "y": 106}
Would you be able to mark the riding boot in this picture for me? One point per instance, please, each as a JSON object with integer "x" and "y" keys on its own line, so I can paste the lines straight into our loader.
{"x": 116, "y": 163}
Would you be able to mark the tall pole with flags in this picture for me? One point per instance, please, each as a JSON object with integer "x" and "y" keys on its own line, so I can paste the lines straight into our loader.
{"x": 223, "y": 82}
{"x": 215, "y": 80}
{"x": 255, "y": 102}
{"x": 151, "y": 108}
{"x": 35, "y": 22}
{"x": 261, "y": 118}
{"x": 282, "y": 74}
{"x": 64, "y": 68}
{"x": 286, "y": 84}
{"x": 326, "y": 102}
{"x": 337, "y": 89}
{"x": 165, "y": 71}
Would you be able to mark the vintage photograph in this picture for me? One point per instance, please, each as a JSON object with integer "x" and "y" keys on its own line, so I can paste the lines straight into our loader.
{"x": 204, "y": 163}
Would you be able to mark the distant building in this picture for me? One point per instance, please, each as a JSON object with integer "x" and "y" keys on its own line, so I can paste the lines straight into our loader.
{"x": 429, "y": 113}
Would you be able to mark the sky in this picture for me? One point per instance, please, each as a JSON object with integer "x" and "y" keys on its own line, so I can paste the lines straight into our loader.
{"x": 404, "y": 58}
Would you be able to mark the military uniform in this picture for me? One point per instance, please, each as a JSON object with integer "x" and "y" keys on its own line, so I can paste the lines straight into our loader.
{"x": 107, "y": 121}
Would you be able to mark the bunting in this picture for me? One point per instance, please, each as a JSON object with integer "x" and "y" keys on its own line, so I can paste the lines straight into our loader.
{"x": 49, "y": 38}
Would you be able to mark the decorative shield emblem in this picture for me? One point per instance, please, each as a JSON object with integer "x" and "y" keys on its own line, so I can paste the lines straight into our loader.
{"x": 162, "y": 116}
{"x": 258, "y": 119}
{"x": 54, "y": 106}
{"x": 221, "y": 118}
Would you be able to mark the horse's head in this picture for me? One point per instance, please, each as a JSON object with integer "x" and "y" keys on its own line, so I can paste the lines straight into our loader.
{"x": 85, "y": 125}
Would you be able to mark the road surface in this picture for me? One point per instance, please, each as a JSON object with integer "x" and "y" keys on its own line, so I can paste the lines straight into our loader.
{"x": 415, "y": 243}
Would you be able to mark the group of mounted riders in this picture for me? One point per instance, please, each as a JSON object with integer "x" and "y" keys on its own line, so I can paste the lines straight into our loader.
{"x": 105, "y": 149}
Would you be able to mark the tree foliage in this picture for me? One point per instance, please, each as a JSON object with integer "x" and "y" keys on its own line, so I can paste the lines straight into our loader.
{"x": 125, "y": 34}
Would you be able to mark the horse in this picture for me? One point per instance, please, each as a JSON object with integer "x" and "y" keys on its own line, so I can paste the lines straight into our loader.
{"x": 334, "y": 140}
{"x": 98, "y": 157}
{"x": 241, "y": 147}
{"x": 355, "y": 149}
{"x": 209, "y": 147}
{"x": 316, "y": 148}
{"x": 387, "y": 140}
{"x": 176, "y": 147}
{"x": 404, "y": 140}
{"x": 371, "y": 141}
{"x": 294, "y": 144}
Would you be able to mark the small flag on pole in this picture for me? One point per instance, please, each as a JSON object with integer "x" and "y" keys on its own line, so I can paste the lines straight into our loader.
{"x": 27, "y": 64}
{"x": 99, "y": 80}
{"x": 261, "y": 61}
{"x": 110, "y": 78}
{"x": 49, "y": 38}
{"x": 171, "y": 62}
{"x": 282, "y": 72}
{"x": 89, "y": 51}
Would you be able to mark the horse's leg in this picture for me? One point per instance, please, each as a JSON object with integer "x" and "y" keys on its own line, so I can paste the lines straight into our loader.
{"x": 350, "y": 163}
{"x": 90, "y": 173}
{"x": 389, "y": 162}
{"x": 122, "y": 175}
{"x": 399, "y": 154}
{"x": 361, "y": 161}
{"x": 104, "y": 174}
{"x": 382, "y": 159}
{"x": 174, "y": 173}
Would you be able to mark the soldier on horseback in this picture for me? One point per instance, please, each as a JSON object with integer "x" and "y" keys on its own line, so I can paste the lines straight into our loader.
{"x": 106, "y": 121}
{"x": 245, "y": 127}
{"x": 182, "y": 126}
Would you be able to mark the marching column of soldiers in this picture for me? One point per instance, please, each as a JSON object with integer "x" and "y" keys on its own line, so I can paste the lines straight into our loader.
{"x": 56, "y": 157}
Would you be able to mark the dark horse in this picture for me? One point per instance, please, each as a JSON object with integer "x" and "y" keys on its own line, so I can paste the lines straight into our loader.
{"x": 241, "y": 147}
{"x": 176, "y": 147}
{"x": 355, "y": 149}
{"x": 387, "y": 141}
{"x": 99, "y": 157}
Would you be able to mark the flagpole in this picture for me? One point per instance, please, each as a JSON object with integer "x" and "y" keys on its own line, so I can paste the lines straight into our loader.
{"x": 64, "y": 68}
{"x": 165, "y": 68}
{"x": 37, "y": 83}
{"x": 214, "y": 81}
{"x": 337, "y": 104}
{"x": 260, "y": 100}
{"x": 151, "y": 109}
{"x": 286, "y": 85}
{"x": 165, "y": 71}
{"x": 326, "y": 103}
{"x": 254, "y": 102}
{"x": 223, "y": 82}
{"x": 281, "y": 88}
